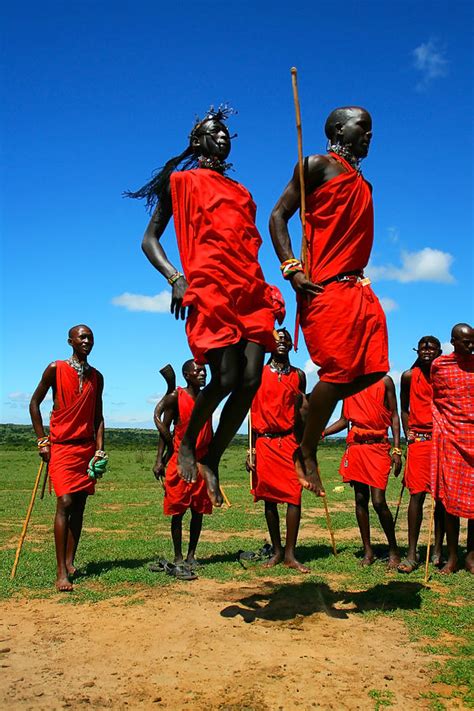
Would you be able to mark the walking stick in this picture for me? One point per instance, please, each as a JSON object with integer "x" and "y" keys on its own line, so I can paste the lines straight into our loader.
{"x": 328, "y": 524}
{"x": 299, "y": 134}
{"x": 25, "y": 525}
{"x": 224, "y": 496}
{"x": 399, "y": 504}
{"x": 430, "y": 532}
{"x": 249, "y": 424}
{"x": 43, "y": 487}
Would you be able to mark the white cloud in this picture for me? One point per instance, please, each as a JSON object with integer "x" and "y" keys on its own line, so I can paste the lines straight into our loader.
{"x": 396, "y": 375}
{"x": 426, "y": 265}
{"x": 311, "y": 371}
{"x": 447, "y": 347}
{"x": 21, "y": 400}
{"x": 154, "y": 398}
{"x": 160, "y": 303}
{"x": 393, "y": 235}
{"x": 430, "y": 61}
{"x": 388, "y": 304}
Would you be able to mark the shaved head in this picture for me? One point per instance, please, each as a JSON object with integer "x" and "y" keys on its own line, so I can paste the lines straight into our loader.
{"x": 73, "y": 329}
{"x": 339, "y": 117}
{"x": 462, "y": 338}
{"x": 188, "y": 367}
{"x": 460, "y": 328}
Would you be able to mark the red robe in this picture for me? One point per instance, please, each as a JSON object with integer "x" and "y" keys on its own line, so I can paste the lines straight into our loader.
{"x": 72, "y": 432}
{"x": 273, "y": 411}
{"x": 218, "y": 244}
{"x": 420, "y": 422}
{"x": 344, "y": 327}
{"x": 452, "y": 458}
{"x": 179, "y": 495}
{"x": 367, "y": 463}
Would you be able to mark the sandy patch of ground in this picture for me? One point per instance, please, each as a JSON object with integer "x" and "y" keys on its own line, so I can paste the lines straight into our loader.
{"x": 206, "y": 646}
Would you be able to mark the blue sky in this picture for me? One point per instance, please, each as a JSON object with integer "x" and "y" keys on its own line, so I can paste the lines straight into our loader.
{"x": 98, "y": 94}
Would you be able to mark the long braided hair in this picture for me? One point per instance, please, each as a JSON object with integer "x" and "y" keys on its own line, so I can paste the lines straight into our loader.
{"x": 153, "y": 191}
{"x": 425, "y": 339}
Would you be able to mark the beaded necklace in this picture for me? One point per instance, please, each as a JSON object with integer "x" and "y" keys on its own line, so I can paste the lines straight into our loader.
{"x": 80, "y": 368}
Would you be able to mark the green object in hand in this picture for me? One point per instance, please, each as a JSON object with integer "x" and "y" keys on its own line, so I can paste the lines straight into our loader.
{"x": 96, "y": 470}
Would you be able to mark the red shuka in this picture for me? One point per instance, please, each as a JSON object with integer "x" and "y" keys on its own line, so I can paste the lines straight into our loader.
{"x": 179, "y": 495}
{"x": 273, "y": 411}
{"x": 452, "y": 459}
{"x": 344, "y": 327}
{"x": 369, "y": 419}
{"x": 420, "y": 421}
{"x": 218, "y": 244}
{"x": 72, "y": 432}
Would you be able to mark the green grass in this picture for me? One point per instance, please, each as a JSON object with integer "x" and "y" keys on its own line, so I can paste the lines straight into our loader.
{"x": 125, "y": 528}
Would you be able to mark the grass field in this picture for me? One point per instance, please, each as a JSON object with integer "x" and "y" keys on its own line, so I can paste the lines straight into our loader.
{"x": 125, "y": 528}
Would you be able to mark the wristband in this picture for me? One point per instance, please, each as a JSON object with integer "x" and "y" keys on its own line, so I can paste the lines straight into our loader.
{"x": 396, "y": 450}
{"x": 290, "y": 267}
{"x": 174, "y": 277}
{"x": 43, "y": 442}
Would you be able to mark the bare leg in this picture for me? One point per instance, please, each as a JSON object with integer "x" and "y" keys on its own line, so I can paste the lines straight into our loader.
{"x": 438, "y": 533}
{"x": 386, "y": 521}
{"x": 452, "y": 537}
{"x": 75, "y": 529}
{"x": 61, "y": 528}
{"x": 362, "y": 495}
{"x": 293, "y": 517}
{"x": 177, "y": 536}
{"x": 415, "y": 517}
{"x": 273, "y": 523}
{"x": 194, "y": 532}
{"x": 322, "y": 402}
{"x": 470, "y": 546}
{"x": 249, "y": 371}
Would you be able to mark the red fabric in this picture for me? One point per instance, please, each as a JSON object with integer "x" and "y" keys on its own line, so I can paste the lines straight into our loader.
{"x": 452, "y": 459}
{"x": 72, "y": 431}
{"x": 420, "y": 417}
{"x": 417, "y": 475}
{"x": 344, "y": 327}
{"x": 369, "y": 418}
{"x": 179, "y": 495}
{"x": 273, "y": 410}
{"x": 218, "y": 244}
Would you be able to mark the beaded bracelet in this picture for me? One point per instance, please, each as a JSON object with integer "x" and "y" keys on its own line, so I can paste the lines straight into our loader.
{"x": 174, "y": 277}
{"x": 396, "y": 450}
{"x": 100, "y": 454}
{"x": 290, "y": 267}
{"x": 43, "y": 442}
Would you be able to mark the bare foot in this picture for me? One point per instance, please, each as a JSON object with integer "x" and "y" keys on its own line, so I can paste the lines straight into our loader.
{"x": 307, "y": 471}
{"x": 212, "y": 484}
{"x": 187, "y": 467}
{"x": 394, "y": 561}
{"x": 71, "y": 570}
{"x": 274, "y": 560}
{"x": 450, "y": 567}
{"x": 296, "y": 565}
{"x": 368, "y": 559}
{"x": 63, "y": 584}
{"x": 437, "y": 560}
{"x": 469, "y": 564}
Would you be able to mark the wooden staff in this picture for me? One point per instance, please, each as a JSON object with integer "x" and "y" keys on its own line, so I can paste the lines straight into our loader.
{"x": 430, "y": 533}
{"x": 328, "y": 524}
{"x": 224, "y": 496}
{"x": 249, "y": 424}
{"x": 27, "y": 519}
{"x": 299, "y": 133}
{"x": 43, "y": 487}
{"x": 402, "y": 491}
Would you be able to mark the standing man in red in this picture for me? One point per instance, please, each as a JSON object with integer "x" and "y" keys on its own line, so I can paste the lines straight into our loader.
{"x": 276, "y": 429}
{"x": 231, "y": 309}
{"x": 452, "y": 458}
{"x": 416, "y": 396}
{"x": 176, "y": 409}
{"x": 342, "y": 320}
{"x": 368, "y": 459}
{"x": 74, "y": 449}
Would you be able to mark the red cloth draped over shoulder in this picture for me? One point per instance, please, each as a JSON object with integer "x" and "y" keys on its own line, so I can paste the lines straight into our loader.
{"x": 344, "y": 327}
{"x": 369, "y": 418}
{"x": 72, "y": 432}
{"x": 417, "y": 475}
{"x": 179, "y": 495}
{"x": 274, "y": 411}
{"x": 218, "y": 243}
{"x": 452, "y": 459}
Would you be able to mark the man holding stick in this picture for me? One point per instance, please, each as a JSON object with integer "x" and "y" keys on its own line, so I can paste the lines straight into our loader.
{"x": 74, "y": 448}
{"x": 276, "y": 429}
{"x": 342, "y": 320}
{"x": 176, "y": 409}
{"x": 367, "y": 461}
{"x": 452, "y": 458}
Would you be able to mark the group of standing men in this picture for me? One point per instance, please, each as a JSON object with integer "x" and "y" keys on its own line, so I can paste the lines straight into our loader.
{"x": 230, "y": 313}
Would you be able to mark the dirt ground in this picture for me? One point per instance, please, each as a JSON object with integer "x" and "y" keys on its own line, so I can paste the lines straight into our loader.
{"x": 206, "y": 645}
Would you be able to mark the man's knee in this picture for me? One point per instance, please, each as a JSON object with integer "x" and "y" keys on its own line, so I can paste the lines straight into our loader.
{"x": 379, "y": 503}
{"x": 64, "y": 503}
{"x": 251, "y": 381}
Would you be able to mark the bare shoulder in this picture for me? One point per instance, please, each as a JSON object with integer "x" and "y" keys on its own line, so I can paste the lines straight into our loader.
{"x": 388, "y": 380}
{"x": 406, "y": 377}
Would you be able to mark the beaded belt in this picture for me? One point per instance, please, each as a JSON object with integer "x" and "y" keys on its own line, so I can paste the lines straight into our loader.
{"x": 354, "y": 275}
{"x": 274, "y": 435}
{"x": 371, "y": 440}
{"x": 88, "y": 440}
{"x": 418, "y": 437}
